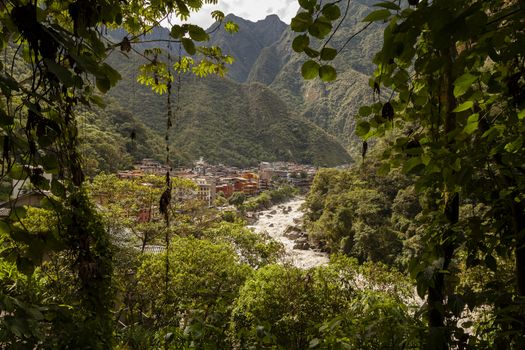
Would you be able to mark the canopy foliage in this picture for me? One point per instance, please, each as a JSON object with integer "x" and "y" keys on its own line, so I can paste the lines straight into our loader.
{"x": 455, "y": 75}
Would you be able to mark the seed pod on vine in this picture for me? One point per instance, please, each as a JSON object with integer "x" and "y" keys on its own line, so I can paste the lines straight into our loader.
{"x": 387, "y": 112}
{"x": 125, "y": 45}
{"x": 365, "y": 149}
{"x": 377, "y": 89}
{"x": 5, "y": 150}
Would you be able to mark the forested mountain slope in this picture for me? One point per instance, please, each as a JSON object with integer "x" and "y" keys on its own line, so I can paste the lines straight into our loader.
{"x": 225, "y": 121}
{"x": 332, "y": 106}
{"x": 247, "y": 45}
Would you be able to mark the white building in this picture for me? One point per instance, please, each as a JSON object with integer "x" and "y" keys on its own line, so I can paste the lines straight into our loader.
{"x": 206, "y": 191}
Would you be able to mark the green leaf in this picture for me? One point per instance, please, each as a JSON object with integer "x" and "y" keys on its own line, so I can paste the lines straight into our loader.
{"x": 388, "y": 5}
{"x": 514, "y": 146}
{"x": 328, "y": 54}
{"x": 57, "y": 188}
{"x": 8, "y": 83}
{"x": 17, "y": 172}
{"x": 411, "y": 164}
{"x": 4, "y": 227}
{"x": 49, "y": 162}
{"x": 456, "y": 166}
{"x": 189, "y": 46}
{"x": 327, "y": 73}
{"x": 314, "y": 343}
{"x": 197, "y": 33}
{"x": 464, "y": 106}
{"x": 307, "y": 4}
{"x": 99, "y": 101}
{"x": 365, "y": 111}
{"x": 378, "y": 15}
{"x": 311, "y": 52}
{"x": 463, "y": 83}
{"x": 217, "y": 15}
{"x": 331, "y": 11}
{"x": 62, "y": 73}
{"x": 300, "y": 43}
{"x": 421, "y": 289}
{"x": 177, "y": 32}
{"x": 310, "y": 70}
{"x": 231, "y": 27}
{"x": 521, "y": 114}
{"x": 362, "y": 128}
{"x": 301, "y": 22}
{"x": 472, "y": 124}
{"x": 110, "y": 73}
{"x": 384, "y": 169}
{"x": 103, "y": 84}
{"x": 320, "y": 28}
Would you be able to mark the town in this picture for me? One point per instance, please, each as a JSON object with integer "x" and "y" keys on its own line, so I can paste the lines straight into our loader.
{"x": 212, "y": 180}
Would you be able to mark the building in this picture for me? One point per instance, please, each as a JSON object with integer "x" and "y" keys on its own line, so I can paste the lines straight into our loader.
{"x": 151, "y": 166}
{"x": 207, "y": 191}
{"x": 226, "y": 189}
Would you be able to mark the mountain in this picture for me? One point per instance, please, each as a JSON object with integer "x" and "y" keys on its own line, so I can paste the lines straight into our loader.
{"x": 225, "y": 121}
{"x": 246, "y": 45}
{"x": 331, "y": 106}
{"x": 113, "y": 138}
{"x": 220, "y": 119}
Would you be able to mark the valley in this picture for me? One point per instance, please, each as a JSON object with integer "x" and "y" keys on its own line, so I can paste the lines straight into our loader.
{"x": 351, "y": 179}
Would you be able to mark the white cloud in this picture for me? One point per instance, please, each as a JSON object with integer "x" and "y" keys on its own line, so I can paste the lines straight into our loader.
{"x": 252, "y": 10}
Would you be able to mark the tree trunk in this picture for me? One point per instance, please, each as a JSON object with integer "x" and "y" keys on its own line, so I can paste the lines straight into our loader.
{"x": 518, "y": 216}
{"x": 439, "y": 339}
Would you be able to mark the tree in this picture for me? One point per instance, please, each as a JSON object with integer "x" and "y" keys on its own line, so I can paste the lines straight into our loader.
{"x": 53, "y": 63}
{"x": 339, "y": 306}
{"x": 195, "y": 302}
{"x": 456, "y": 73}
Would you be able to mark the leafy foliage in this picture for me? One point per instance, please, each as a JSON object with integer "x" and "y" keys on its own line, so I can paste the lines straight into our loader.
{"x": 202, "y": 283}
{"x": 288, "y": 308}
{"x": 353, "y": 211}
{"x": 53, "y": 63}
{"x": 456, "y": 70}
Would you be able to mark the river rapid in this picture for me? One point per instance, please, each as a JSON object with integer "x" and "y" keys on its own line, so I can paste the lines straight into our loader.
{"x": 276, "y": 220}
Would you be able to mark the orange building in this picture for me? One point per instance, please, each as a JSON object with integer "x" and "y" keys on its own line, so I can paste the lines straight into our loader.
{"x": 226, "y": 189}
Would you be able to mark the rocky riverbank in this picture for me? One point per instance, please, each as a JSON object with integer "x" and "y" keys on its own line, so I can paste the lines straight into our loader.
{"x": 283, "y": 222}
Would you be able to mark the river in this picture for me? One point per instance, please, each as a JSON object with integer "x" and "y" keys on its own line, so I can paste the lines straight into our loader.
{"x": 275, "y": 221}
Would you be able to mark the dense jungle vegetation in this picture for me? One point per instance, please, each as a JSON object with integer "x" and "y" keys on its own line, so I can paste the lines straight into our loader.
{"x": 426, "y": 231}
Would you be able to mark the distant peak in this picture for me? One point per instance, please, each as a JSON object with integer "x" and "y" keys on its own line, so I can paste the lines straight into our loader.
{"x": 272, "y": 17}
{"x": 231, "y": 16}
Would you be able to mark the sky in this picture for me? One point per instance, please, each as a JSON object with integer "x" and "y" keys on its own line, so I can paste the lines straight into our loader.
{"x": 252, "y": 10}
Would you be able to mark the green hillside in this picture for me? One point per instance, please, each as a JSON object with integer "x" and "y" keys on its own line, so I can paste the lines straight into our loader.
{"x": 113, "y": 139}
{"x": 246, "y": 45}
{"x": 331, "y": 106}
{"x": 225, "y": 121}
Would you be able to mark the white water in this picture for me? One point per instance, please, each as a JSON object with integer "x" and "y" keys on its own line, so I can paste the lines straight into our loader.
{"x": 276, "y": 224}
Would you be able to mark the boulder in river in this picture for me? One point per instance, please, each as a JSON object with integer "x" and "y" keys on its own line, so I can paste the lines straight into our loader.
{"x": 293, "y": 233}
{"x": 301, "y": 245}
{"x": 273, "y": 212}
